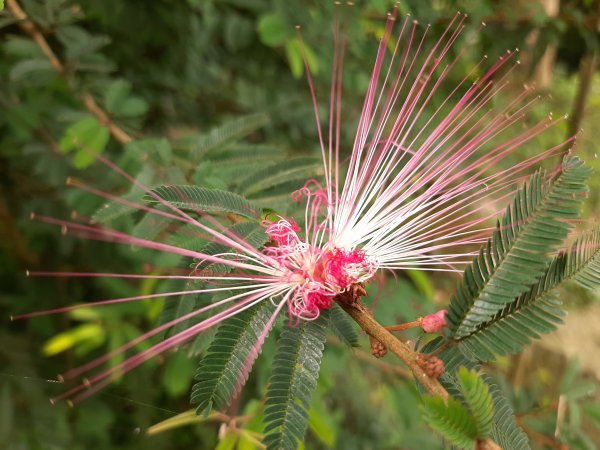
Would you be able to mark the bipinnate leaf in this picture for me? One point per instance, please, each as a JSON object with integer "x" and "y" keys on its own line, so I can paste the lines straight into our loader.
{"x": 518, "y": 252}
{"x": 224, "y": 369}
{"x": 537, "y": 311}
{"x": 297, "y": 169}
{"x": 251, "y": 232}
{"x": 114, "y": 209}
{"x": 293, "y": 381}
{"x": 227, "y": 133}
{"x": 505, "y": 432}
{"x": 196, "y": 198}
{"x": 530, "y": 315}
{"x": 342, "y": 326}
{"x": 583, "y": 260}
{"x": 150, "y": 226}
{"x": 453, "y": 421}
{"x": 478, "y": 400}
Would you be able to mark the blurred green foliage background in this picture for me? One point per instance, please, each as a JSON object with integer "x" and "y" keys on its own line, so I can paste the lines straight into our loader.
{"x": 167, "y": 72}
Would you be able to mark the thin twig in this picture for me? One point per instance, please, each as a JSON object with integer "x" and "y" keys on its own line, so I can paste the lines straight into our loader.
{"x": 406, "y": 326}
{"x": 587, "y": 69}
{"x": 86, "y": 98}
{"x": 391, "y": 369}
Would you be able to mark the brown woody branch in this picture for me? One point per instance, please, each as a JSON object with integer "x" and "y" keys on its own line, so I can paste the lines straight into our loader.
{"x": 367, "y": 322}
{"x": 86, "y": 98}
{"x": 369, "y": 325}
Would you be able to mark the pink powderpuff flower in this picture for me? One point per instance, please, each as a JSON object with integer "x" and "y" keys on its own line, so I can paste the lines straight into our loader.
{"x": 417, "y": 187}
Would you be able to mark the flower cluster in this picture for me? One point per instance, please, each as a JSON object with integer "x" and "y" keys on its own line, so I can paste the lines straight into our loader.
{"x": 318, "y": 271}
{"x": 416, "y": 188}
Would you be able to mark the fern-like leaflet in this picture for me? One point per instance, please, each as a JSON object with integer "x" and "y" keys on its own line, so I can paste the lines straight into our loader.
{"x": 295, "y": 372}
{"x": 517, "y": 254}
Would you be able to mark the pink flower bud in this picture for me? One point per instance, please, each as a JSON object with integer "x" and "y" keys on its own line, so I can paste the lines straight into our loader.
{"x": 433, "y": 323}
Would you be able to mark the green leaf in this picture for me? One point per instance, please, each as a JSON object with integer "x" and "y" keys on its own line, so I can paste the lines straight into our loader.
{"x": 583, "y": 260}
{"x": 87, "y": 138}
{"x": 224, "y": 135}
{"x": 294, "y": 379}
{"x": 272, "y": 30}
{"x": 75, "y": 336}
{"x": 343, "y": 327}
{"x": 506, "y": 433}
{"x": 156, "y": 149}
{"x": 320, "y": 425}
{"x": 120, "y": 103}
{"x": 478, "y": 399}
{"x": 79, "y": 43}
{"x": 22, "y": 48}
{"x": 195, "y": 198}
{"x": 115, "y": 94}
{"x": 150, "y": 226}
{"x": 227, "y": 442}
{"x": 113, "y": 210}
{"x": 453, "y": 421}
{"x": 22, "y": 120}
{"x": 296, "y": 51}
{"x": 178, "y": 373}
{"x": 30, "y": 67}
{"x": 252, "y": 232}
{"x": 537, "y": 311}
{"x": 517, "y": 254}
{"x": 225, "y": 368}
{"x": 299, "y": 168}
{"x": 466, "y": 418}
{"x": 132, "y": 107}
{"x": 527, "y": 317}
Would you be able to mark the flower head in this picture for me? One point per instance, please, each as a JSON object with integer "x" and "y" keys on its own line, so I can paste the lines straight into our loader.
{"x": 416, "y": 188}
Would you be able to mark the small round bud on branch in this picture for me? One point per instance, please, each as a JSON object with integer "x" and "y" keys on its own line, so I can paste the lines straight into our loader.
{"x": 433, "y": 323}
{"x": 431, "y": 365}
{"x": 378, "y": 349}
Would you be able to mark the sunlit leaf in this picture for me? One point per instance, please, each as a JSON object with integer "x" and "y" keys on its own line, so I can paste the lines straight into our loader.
{"x": 72, "y": 337}
{"x": 87, "y": 138}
